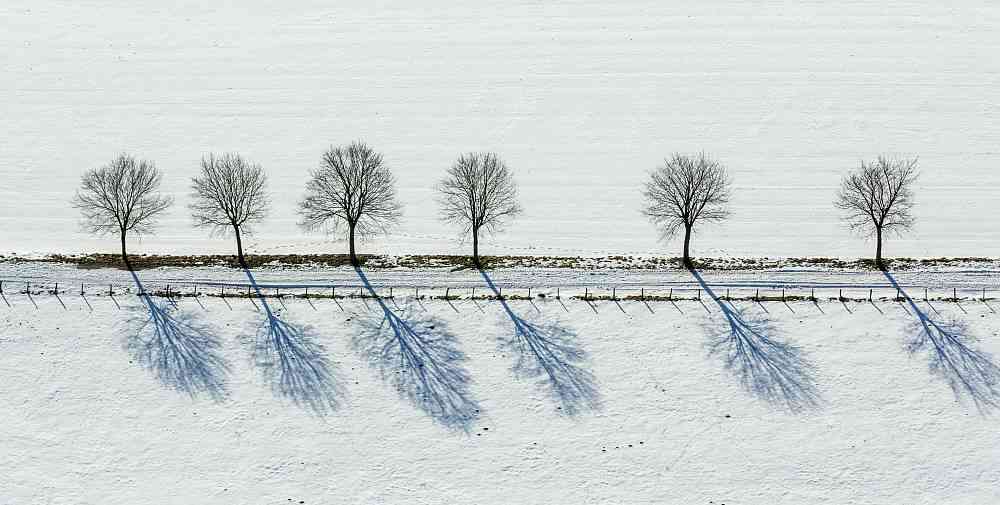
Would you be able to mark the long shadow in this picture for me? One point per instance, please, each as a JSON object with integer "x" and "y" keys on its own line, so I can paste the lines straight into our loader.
{"x": 421, "y": 358}
{"x": 551, "y": 354}
{"x": 773, "y": 371}
{"x": 294, "y": 363}
{"x": 179, "y": 349}
{"x": 969, "y": 372}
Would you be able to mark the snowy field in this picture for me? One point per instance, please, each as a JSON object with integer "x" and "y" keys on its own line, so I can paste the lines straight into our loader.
{"x": 242, "y": 400}
{"x": 581, "y": 99}
{"x": 443, "y": 394}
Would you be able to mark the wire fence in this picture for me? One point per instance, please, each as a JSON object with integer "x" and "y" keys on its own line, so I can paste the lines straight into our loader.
{"x": 872, "y": 292}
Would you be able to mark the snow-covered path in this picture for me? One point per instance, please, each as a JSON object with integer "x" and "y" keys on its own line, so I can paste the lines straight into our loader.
{"x": 966, "y": 282}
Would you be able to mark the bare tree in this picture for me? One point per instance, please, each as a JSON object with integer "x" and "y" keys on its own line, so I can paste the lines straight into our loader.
{"x": 685, "y": 190}
{"x": 351, "y": 186}
{"x": 878, "y": 198}
{"x": 121, "y": 197}
{"x": 229, "y": 193}
{"x": 478, "y": 193}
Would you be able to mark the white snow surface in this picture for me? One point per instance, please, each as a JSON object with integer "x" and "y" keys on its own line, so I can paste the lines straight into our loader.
{"x": 581, "y": 99}
{"x": 90, "y": 416}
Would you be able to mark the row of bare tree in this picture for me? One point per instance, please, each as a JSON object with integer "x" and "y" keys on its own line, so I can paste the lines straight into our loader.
{"x": 353, "y": 191}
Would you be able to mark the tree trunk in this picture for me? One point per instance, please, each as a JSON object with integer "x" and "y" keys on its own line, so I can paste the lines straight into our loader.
{"x": 350, "y": 238}
{"x": 475, "y": 247}
{"x": 128, "y": 265}
{"x": 687, "y": 246}
{"x": 239, "y": 247}
{"x": 878, "y": 249}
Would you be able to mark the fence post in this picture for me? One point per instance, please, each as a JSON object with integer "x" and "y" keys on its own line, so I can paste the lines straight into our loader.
{"x": 925, "y": 294}
{"x": 699, "y": 293}
{"x": 1, "y": 286}
{"x": 110, "y": 291}
{"x": 614, "y": 296}
{"x": 642, "y": 293}
{"x": 586, "y": 293}
{"x": 756, "y": 295}
{"x": 782, "y": 294}
{"x": 557, "y": 293}
{"x": 984, "y": 294}
{"x": 727, "y": 293}
{"x": 870, "y": 295}
{"x": 222, "y": 291}
{"x": 529, "y": 292}
{"x": 812, "y": 294}
{"x": 671, "y": 295}
{"x": 57, "y": 289}
{"x": 81, "y": 289}
{"x": 954, "y": 293}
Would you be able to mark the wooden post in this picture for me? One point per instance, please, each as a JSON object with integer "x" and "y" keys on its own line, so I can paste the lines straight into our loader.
{"x": 557, "y": 293}
{"x": 390, "y": 291}
{"x": 870, "y": 295}
{"x": 110, "y": 291}
{"x": 840, "y": 294}
{"x": 925, "y": 294}
{"x": 671, "y": 295}
{"x": 307, "y": 291}
{"x": 614, "y": 296}
{"x": 195, "y": 290}
{"x": 1, "y": 286}
{"x": 699, "y": 293}
{"x": 586, "y": 293}
{"x": 954, "y": 293}
{"x": 57, "y": 289}
{"x": 248, "y": 291}
{"x": 727, "y": 293}
{"x": 417, "y": 291}
{"x": 782, "y": 294}
{"x": 222, "y": 291}
{"x": 642, "y": 293}
{"x": 756, "y": 296}
{"x": 81, "y": 289}
{"x": 984, "y": 294}
{"x": 529, "y": 292}
{"x": 812, "y": 294}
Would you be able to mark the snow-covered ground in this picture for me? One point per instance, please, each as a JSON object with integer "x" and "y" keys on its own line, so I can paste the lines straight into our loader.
{"x": 312, "y": 401}
{"x": 143, "y": 399}
{"x": 581, "y": 98}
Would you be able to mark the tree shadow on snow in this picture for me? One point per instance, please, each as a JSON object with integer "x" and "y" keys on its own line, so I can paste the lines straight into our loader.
{"x": 550, "y": 354}
{"x": 774, "y": 371}
{"x": 420, "y": 357}
{"x": 969, "y": 372}
{"x": 178, "y": 348}
{"x": 293, "y": 362}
